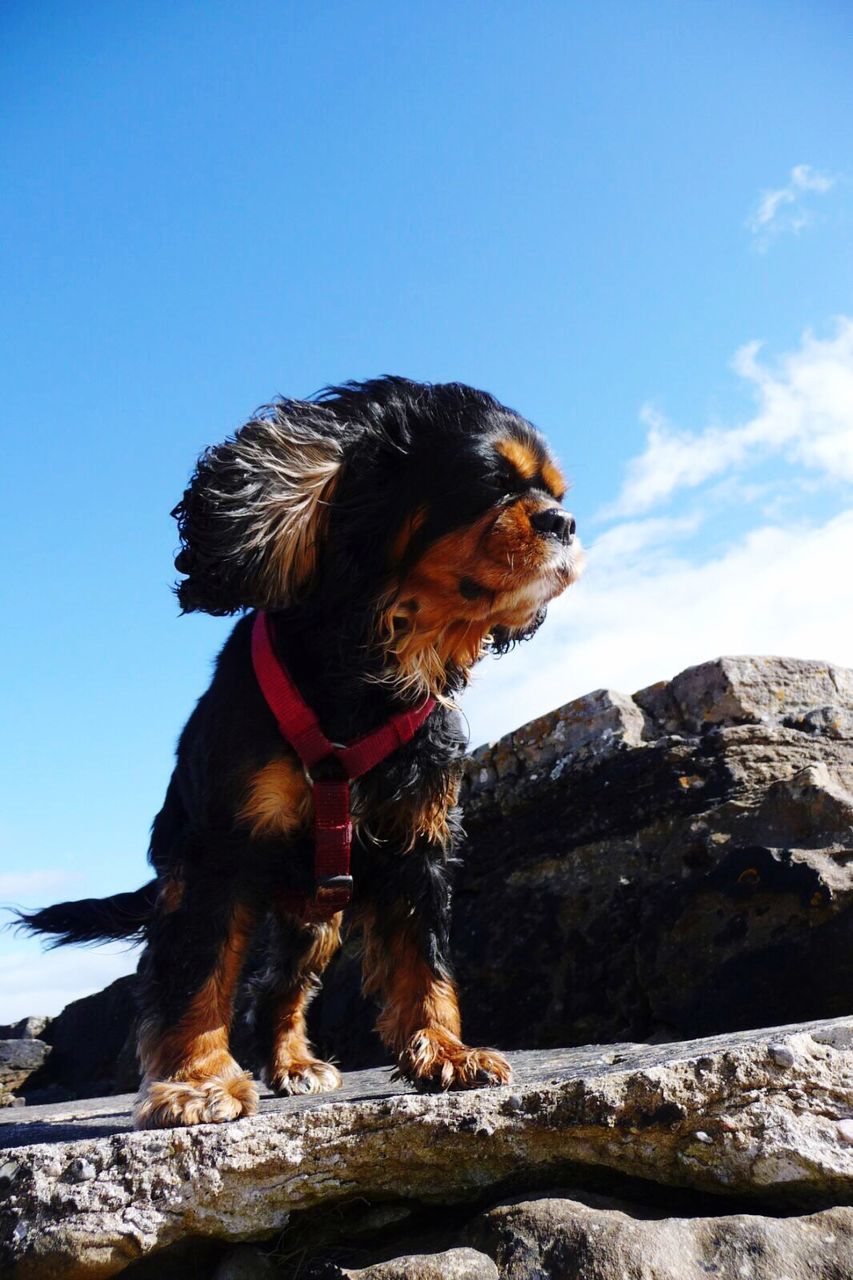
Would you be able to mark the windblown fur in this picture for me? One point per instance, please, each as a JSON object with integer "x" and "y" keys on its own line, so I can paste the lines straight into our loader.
{"x": 124, "y": 915}
{"x": 253, "y": 514}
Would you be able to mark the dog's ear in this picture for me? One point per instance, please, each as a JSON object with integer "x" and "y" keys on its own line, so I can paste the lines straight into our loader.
{"x": 253, "y": 517}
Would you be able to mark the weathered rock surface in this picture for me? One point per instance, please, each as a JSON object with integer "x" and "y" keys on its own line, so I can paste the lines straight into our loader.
{"x": 92, "y": 1047}
{"x": 19, "y": 1059}
{"x": 766, "y": 1115}
{"x": 593, "y": 1238}
{"x": 670, "y": 865}
{"x": 450, "y": 1264}
{"x": 32, "y": 1028}
{"x": 571, "y": 1234}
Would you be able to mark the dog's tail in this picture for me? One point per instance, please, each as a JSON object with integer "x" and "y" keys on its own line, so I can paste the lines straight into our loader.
{"x": 124, "y": 915}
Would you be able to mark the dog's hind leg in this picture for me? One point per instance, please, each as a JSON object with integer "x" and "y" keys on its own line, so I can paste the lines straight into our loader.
{"x": 197, "y": 943}
{"x": 297, "y": 957}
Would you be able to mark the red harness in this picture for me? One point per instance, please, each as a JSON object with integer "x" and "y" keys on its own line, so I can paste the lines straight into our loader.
{"x": 332, "y": 819}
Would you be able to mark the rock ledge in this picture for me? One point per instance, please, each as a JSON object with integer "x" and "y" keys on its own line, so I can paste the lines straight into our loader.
{"x": 763, "y": 1114}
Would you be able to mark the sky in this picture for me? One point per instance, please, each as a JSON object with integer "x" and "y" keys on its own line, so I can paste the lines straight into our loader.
{"x": 630, "y": 221}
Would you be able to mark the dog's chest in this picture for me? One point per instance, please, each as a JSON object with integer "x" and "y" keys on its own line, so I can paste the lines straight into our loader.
{"x": 279, "y": 801}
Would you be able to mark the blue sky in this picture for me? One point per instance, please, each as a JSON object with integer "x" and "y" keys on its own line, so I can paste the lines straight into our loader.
{"x": 590, "y": 210}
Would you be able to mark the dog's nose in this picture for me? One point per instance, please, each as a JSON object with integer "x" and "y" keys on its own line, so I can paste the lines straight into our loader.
{"x": 559, "y": 524}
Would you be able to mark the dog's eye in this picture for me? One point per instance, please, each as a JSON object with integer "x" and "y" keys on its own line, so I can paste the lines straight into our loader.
{"x": 509, "y": 486}
{"x": 521, "y": 468}
{"x": 507, "y": 482}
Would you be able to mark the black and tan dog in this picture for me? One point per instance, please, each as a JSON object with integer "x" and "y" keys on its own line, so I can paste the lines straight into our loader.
{"x": 393, "y": 532}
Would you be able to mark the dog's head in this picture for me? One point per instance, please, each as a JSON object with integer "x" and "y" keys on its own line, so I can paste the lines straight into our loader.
{"x": 432, "y": 510}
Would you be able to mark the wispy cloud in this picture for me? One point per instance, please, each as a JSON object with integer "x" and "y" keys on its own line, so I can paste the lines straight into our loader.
{"x": 35, "y": 982}
{"x": 787, "y": 208}
{"x": 658, "y": 596}
{"x": 18, "y": 885}
{"x": 804, "y": 412}
{"x": 629, "y": 624}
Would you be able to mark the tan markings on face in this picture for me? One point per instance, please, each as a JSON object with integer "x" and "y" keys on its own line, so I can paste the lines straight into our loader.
{"x": 408, "y": 530}
{"x": 505, "y": 557}
{"x": 278, "y": 799}
{"x": 554, "y": 481}
{"x": 441, "y": 630}
{"x": 520, "y": 456}
{"x": 532, "y": 465}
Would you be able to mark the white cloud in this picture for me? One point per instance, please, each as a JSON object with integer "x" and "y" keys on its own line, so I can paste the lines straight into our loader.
{"x": 783, "y": 209}
{"x": 804, "y": 412}
{"x": 651, "y": 604}
{"x": 36, "y": 982}
{"x": 629, "y": 624}
{"x": 16, "y": 886}
{"x": 655, "y": 536}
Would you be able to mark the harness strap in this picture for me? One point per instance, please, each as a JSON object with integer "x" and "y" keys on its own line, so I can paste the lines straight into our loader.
{"x": 332, "y": 819}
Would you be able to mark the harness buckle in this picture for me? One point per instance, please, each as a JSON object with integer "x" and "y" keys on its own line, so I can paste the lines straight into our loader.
{"x": 334, "y": 892}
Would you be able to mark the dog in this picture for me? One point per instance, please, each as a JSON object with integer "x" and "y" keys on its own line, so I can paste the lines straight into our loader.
{"x": 379, "y": 539}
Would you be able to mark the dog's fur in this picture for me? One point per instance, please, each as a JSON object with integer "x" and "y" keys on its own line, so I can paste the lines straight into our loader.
{"x": 394, "y": 531}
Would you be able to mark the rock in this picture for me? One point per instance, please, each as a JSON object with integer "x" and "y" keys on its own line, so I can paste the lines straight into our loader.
{"x": 93, "y": 1047}
{"x": 453, "y": 1264}
{"x": 595, "y": 1238}
{"x": 738, "y": 690}
{"x": 19, "y": 1059}
{"x": 591, "y": 728}
{"x": 770, "y": 1134}
{"x": 844, "y": 1129}
{"x": 683, "y": 880}
{"x": 27, "y": 1029}
{"x": 782, "y": 1055}
{"x": 725, "y": 693}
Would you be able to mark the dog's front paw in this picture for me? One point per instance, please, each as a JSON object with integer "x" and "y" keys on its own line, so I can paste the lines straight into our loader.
{"x": 308, "y": 1076}
{"x": 436, "y": 1059}
{"x": 165, "y": 1104}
